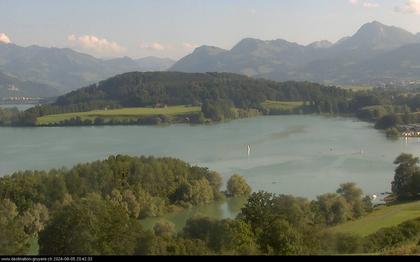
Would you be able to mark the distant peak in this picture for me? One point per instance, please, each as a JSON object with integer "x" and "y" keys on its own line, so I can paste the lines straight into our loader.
{"x": 204, "y": 47}
{"x": 250, "y": 40}
{"x": 208, "y": 49}
{"x": 247, "y": 44}
{"x": 376, "y": 23}
{"x": 321, "y": 44}
{"x": 377, "y": 36}
{"x": 375, "y": 26}
{"x": 282, "y": 42}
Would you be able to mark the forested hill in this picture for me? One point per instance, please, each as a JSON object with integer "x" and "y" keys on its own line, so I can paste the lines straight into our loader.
{"x": 137, "y": 89}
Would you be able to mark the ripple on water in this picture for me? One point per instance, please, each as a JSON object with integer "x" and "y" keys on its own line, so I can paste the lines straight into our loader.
{"x": 303, "y": 155}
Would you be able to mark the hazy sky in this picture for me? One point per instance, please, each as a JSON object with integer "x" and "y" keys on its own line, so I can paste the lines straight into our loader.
{"x": 172, "y": 28}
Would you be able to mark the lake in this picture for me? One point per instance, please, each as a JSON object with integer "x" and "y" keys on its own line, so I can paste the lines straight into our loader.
{"x": 300, "y": 155}
{"x": 21, "y": 107}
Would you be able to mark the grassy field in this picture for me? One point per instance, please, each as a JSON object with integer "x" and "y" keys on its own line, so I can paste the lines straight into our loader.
{"x": 357, "y": 87}
{"x": 383, "y": 216}
{"x": 283, "y": 105}
{"x": 118, "y": 113}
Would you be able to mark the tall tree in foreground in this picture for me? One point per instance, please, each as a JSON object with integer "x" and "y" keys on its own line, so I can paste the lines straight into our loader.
{"x": 281, "y": 238}
{"x": 406, "y": 182}
{"x": 13, "y": 238}
{"x": 90, "y": 226}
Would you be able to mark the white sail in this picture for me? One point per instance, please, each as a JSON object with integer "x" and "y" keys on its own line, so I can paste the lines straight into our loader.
{"x": 249, "y": 150}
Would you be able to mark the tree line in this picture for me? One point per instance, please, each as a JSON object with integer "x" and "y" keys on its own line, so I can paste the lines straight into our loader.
{"x": 95, "y": 208}
{"x": 222, "y": 96}
{"x": 102, "y": 203}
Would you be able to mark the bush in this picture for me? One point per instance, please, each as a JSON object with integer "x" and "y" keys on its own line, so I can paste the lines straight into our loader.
{"x": 392, "y": 133}
{"x": 388, "y": 121}
{"x": 237, "y": 186}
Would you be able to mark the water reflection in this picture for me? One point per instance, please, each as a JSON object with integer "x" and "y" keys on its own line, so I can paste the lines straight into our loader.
{"x": 219, "y": 210}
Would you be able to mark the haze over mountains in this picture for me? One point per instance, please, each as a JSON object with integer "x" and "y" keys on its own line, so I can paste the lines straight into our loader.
{"x": 60, "y": 70}
{"x": 375, "y": 54}
{"x": 13, "y": 87}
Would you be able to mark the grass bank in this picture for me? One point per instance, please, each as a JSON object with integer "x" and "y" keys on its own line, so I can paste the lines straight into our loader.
{"x": 123, "y": 113}
{"x": 381, "y": 217}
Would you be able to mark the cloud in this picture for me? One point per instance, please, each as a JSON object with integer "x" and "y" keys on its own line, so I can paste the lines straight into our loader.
{"x": 410, "y": 7}
{"x": 189, "y": 46}
{"x": 370, "y": 5}
{"x": 174, "y": 50}
{"x": 159, "y": 47}
{"x": 364, "y": 4}
{"x": 96, "y": 44}
{"x": 4, "y": 39}
{"x": 156, "y": 46}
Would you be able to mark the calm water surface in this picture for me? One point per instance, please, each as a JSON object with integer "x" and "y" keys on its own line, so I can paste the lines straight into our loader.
{"x": 299, "y": 155}
{"x": 21, "y": 107}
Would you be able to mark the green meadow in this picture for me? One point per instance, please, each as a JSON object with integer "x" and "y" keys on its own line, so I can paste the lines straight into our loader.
{"x": 282, "y": 105}
{"x": 129, "y": 113}
{"x": 381, "y": 217}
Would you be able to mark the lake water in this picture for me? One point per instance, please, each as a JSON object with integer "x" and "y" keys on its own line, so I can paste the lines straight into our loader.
{"x": 21, "y": 107}
{"x": 299, "y": 155}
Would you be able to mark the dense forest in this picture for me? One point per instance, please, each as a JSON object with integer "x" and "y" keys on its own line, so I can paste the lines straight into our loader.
{"x": 172, "y": 88}
{"x": 221, "y": 95}
{"x": 224, "y": 96}
{"x": 163, "y": 184}
{"x": 95, "y": 208}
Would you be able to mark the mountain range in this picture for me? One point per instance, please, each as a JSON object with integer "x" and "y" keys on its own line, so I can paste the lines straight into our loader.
{"x": 13, "y": 87}
{"x": 375, "y": 54}
{"x": 60, "y": 70}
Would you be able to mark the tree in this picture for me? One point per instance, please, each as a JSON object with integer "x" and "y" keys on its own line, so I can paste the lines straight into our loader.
{"x": 388, "y": 121}
{"x": 263, "y": 208}
{"x": 406, "y": 183}
{"x": 144, "y": 186}
{"x": 333, "y": 209}
{"x": 200, "y": 228}
{"x": 354, "y": 196}
{"x": 196, "y": 192}
{"x": 258, "y": 211}
{"x": 237, "y": 186}
{"x": 215, "y": 181}
{"x": 150, "y": 244}
{"x": 13, "y": 238}
{"x": 392, "y": 133}
{"x": 127, "y": 201}
{"x": 98, "y": 121}
{"x": 90, "y": 226}
{"x": 239, "y": 238}
{"x": 222, "y": 236}
{"x": 35, "y": 219}
{"x": 348, "y": 243}
{"x": 219, "y": 110}
{"x": 280, "y": 238}
{"x": 164, "y": 228}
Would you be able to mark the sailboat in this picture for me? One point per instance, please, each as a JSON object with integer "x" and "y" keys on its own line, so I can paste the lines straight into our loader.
{"x": 249, "y": 150}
